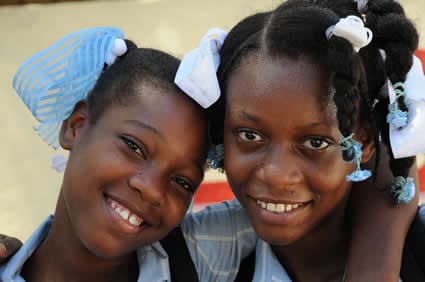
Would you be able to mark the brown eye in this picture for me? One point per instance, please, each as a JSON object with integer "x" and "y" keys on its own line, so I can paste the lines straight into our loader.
{"x": 316, "y": 144}
{"x": 247, "y": 135}
{"x": 184, "y": 184}
{"x": 132, "y": 145}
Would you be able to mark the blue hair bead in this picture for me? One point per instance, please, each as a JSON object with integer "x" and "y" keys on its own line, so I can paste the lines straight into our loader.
{"x": 54, "y": 80}
{"x": 396, "y": 117}
{"x": 347, "y": 147}
{"x": 358, "y": 175}
{"x": 353, "y": 149}
{"x": 216, "y": 157}
{"x": 403, "y": 189}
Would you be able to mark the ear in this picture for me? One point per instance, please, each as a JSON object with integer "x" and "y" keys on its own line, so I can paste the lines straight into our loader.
{"x": 365, "y": 137}
{"x": 73, "y": 127}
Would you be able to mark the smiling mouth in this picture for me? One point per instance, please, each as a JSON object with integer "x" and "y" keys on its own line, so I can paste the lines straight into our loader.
{"x": 280, "y": 207}
{"x": 125, "y": 213}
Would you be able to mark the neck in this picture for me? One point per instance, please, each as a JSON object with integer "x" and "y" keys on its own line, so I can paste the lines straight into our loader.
{"x": 321, "y": 254}
{"x": 63, "y": 257}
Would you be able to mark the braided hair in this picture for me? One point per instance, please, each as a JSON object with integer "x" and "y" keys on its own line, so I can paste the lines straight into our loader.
{"x": 359, "y": 80}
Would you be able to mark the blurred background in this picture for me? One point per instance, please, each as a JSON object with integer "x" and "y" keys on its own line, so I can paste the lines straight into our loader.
{"x": 29, "y": 187}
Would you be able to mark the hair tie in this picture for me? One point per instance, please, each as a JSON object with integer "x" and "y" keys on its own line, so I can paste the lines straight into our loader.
{"x": 54, "y": 80}
{"x": 352, "y": 152}
{"x": 396, "y": 117}
{"x": 361, "y": 6}
{"x": 197, "y": 73}
{"x": 403, "y": 189}
{"x": 352, "y": 29}
{"x": 216, "y": 157}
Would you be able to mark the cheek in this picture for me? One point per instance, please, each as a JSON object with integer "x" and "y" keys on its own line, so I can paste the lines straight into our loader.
{"x": 177, "y": 204}
{"x": 239, "y": 166}
{"x": 328, "y": 173}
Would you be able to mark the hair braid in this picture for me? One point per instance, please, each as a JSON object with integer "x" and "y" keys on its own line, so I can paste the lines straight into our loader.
{"x": 397, "y": 36}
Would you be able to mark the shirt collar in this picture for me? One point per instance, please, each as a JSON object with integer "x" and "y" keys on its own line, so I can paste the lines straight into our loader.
{"x": 267, "y": 266}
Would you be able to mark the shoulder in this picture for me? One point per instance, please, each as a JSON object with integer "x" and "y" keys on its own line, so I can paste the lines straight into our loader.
{"x": 11, "y": 270}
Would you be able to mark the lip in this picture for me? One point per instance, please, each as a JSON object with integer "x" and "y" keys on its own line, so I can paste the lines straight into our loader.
{"x": 284, "y": 218}
{"x": 283, "y": 201}
{"x": 148, "y": 221}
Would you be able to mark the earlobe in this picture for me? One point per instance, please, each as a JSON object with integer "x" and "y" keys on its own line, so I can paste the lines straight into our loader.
{"x": 73, "y": 127}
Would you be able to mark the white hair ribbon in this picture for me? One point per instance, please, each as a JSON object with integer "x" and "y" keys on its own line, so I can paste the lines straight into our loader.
{"x": 197, "y": 73}
{"x": 59, "y": 163}
{"x": 409, "y": 140}
{"x": 352, "y": 29}
{"x": 361, "y": 6}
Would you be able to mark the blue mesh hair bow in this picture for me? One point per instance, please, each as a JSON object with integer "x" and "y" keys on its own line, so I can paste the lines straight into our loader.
{"x": 54, "y": 80}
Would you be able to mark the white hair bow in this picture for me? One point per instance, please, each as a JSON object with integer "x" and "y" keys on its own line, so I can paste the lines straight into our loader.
{"x": 352, "y": 29}
{"x": 361, "y": 6}
{"x": 59, "y": 163}
{"x": 409, "y": 140}
{"x": 197, "y": 73}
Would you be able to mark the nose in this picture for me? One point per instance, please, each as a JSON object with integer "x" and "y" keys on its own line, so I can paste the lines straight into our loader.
{"x": 280, "y": 169}
{"x": 150, "y": 185}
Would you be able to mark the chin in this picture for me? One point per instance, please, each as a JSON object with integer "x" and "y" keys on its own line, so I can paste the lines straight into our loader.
{"x": 106, "y": 248}
{"x": 278, "y": 236}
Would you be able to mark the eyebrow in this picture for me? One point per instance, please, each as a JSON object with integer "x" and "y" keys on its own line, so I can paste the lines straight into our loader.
{"x": 317, "y": 124}
{"x": 144, "y": 126}
{"x": 247, "y": 116}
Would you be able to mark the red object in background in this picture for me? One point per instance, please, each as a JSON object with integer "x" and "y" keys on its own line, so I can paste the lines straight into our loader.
{"x": 420, "y": 53}
{"x": 214, "y": 192}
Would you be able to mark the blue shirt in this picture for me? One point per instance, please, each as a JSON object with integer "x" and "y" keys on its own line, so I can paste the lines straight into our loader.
{"x": 218, "y": 239}
{"x": 153, "y": 260}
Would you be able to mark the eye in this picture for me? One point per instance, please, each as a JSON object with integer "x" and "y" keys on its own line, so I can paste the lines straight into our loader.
{"x": 316, "y": 143}
{"x": 247, "y": 135}
{"x": 183, "y": 183}
{"x": 132, "y": 145}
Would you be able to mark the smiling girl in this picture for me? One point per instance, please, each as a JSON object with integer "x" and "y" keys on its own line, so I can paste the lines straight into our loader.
{"x": 302, "y": 113}
{"x": 137, "y": 148}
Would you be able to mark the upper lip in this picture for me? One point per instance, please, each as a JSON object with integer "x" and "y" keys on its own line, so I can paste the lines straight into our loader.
{"x": 138, "y": 209}
{"x": 279, "y": 201}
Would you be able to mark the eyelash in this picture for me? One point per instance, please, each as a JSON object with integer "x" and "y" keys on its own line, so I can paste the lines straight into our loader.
{"x": 133, "y": 146}
{"x": 243, "y": 132}
{"x": 184, "y": 184}
{"x": 320, "y": 139}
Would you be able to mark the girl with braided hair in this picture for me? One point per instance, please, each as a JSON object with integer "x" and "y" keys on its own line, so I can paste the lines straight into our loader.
{"x": 289, "y": 93}
{"x": 301, "y": 112}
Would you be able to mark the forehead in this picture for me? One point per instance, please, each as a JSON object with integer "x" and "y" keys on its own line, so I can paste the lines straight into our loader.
{"x": 280, "y": 87}
{"x": 165, "y": 109}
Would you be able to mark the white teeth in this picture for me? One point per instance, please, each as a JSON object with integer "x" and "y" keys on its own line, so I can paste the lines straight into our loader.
{"x": 271, "y": 207}
{"x": 135, "y": 220}
{"x": 278, "y": 208}
{"x": 125, "y": 213}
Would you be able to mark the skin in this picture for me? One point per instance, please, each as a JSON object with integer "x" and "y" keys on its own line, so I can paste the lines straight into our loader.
{"x": 281, "y": 144}
{"x": 144, "y": 157}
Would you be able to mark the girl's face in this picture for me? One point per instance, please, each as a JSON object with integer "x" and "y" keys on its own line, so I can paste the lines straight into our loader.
{"x": 282, "y": 156}
{"x": 131, "y": 175}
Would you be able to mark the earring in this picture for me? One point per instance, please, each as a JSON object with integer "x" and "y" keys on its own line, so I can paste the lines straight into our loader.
{"x": 352, "y": 152}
